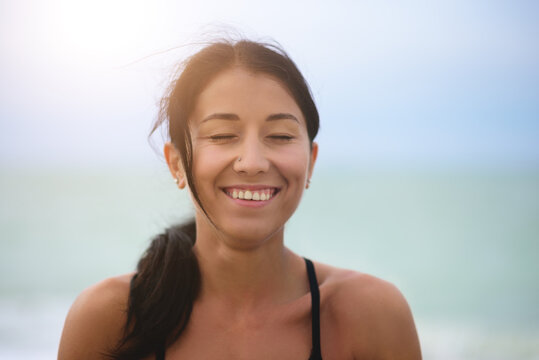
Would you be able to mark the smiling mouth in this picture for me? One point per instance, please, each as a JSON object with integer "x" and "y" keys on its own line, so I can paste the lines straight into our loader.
{"x": 263, "y": 194}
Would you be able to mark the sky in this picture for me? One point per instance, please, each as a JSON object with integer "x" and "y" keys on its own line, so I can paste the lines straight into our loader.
{"x": 397, "y": 83}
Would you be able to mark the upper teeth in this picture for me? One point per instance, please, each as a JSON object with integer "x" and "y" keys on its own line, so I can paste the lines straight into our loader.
{"x": 254, "y": 195}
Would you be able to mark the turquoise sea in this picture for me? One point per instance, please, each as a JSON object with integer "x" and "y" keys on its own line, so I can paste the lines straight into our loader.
{"x": 461, "y": 244}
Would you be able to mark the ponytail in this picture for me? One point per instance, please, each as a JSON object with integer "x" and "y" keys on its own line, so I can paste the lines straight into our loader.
{"x": 161, "y": 295}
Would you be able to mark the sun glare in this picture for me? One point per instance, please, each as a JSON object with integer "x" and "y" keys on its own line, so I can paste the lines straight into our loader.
{"x": 104, "y": 31}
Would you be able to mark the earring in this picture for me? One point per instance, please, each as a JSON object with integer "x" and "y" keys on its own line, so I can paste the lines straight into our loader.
{"x": 176, "y": 181}
{"x": 308, "y": 183}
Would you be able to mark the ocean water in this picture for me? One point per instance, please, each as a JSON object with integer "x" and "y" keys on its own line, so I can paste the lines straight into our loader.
{"x": 462, "y": 245}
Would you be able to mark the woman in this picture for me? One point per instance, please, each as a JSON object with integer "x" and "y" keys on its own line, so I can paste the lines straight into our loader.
{"x": 242, "y": 122}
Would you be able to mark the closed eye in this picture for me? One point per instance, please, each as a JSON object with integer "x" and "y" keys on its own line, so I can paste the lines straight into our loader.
{"x": 221, "y": 137}
{"x": 282, "y": 137}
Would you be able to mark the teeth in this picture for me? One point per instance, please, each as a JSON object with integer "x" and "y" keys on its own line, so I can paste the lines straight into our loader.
{"x": 259, "y": 195}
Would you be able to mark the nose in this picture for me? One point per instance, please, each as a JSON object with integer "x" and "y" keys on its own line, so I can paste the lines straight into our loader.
{"x": 251, "y": 158}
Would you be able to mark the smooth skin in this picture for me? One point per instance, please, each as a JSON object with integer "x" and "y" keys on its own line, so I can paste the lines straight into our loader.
{"x": 254, "y": 301}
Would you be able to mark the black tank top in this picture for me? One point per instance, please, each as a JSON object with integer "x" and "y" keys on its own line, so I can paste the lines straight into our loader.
{"x": 316, "y": 353}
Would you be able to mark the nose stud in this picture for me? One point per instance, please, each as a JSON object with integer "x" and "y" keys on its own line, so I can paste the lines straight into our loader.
{"x": 239, "y": 159}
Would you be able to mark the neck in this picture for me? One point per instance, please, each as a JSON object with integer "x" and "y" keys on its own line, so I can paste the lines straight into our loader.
{"x": 247, "y": 278}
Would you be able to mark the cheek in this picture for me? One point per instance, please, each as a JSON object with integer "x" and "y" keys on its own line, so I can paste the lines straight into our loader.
{"x": 207, "y": 163}
{"x": 294, "y": 163}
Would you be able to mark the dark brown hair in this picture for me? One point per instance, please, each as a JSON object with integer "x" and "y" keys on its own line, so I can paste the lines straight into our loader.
{"x": 167, "y": 281}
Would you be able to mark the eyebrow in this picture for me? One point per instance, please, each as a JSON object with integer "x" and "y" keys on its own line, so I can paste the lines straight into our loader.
{"x": 221, "y": 116}
{"x": 282, "y": 116}
{"x": 234, "y": 117}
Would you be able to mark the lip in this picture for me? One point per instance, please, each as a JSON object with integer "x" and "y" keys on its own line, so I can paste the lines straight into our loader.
{"x": 251, "y": 203}
{"x": 251, "y": 187}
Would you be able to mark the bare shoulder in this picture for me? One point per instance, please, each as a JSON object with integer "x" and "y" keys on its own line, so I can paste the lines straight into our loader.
{"x": 96, "y": 319}
{"x": 371, "y": 312}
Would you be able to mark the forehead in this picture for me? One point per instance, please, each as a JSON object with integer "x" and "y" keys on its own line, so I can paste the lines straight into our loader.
{"x": 246, "y": 94}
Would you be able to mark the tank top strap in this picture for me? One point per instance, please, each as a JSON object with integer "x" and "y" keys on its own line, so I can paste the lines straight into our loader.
{"x": 160, "y": 353}
{"x": 316, "y": 353}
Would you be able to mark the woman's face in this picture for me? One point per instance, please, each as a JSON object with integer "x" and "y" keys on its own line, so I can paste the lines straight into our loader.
{"x": 251, "y": 155}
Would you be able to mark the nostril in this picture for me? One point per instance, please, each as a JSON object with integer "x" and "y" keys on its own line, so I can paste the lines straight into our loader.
{"x": 251, "y": 163}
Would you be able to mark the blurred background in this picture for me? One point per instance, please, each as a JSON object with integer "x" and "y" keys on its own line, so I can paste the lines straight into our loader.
{"x": 428, "y": 174}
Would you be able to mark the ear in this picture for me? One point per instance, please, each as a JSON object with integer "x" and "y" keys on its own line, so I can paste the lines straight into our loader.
{"x": 174, "y": 162}
{"x": 312, "y": 160}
